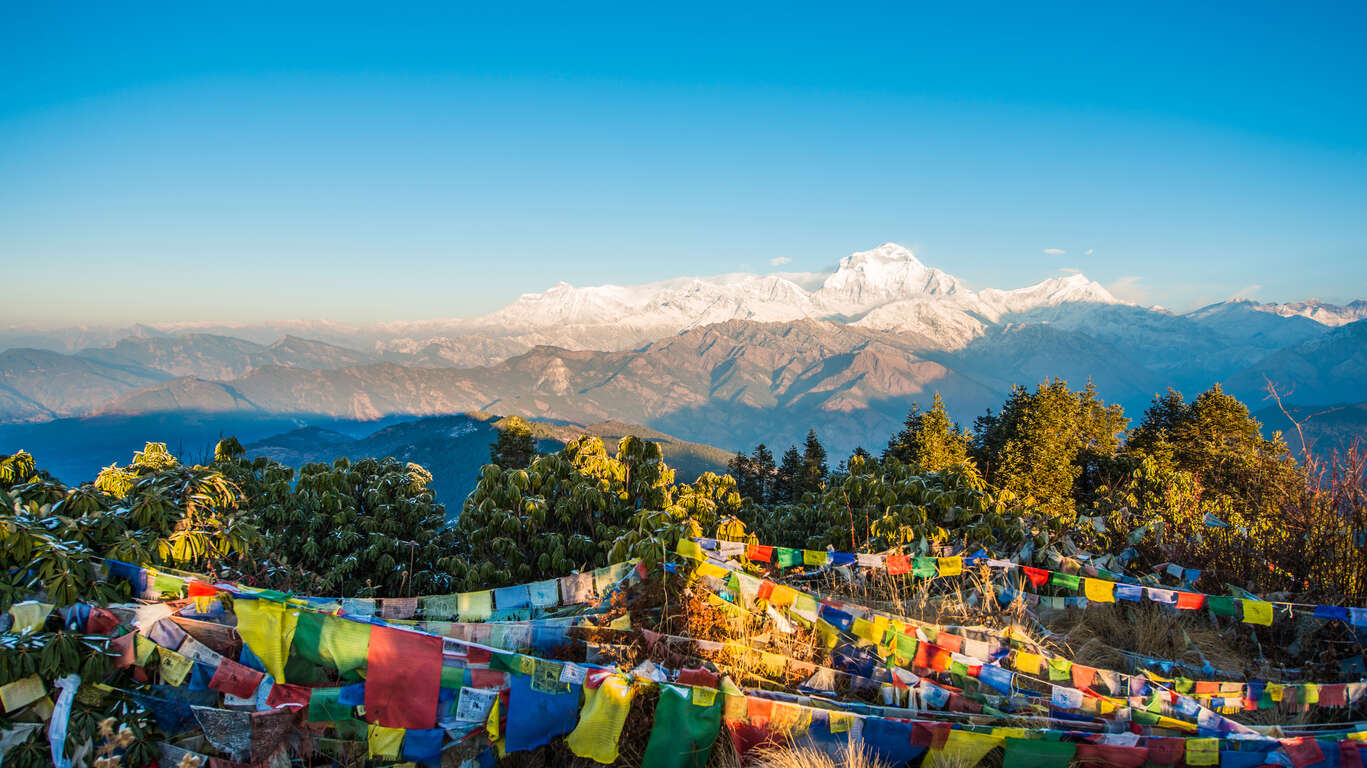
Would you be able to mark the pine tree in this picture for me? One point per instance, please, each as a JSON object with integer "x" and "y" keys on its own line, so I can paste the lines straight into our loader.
{"x": 1050, "y": 446}
{"x": 929, "y": 439}
{"x": 515, "y": 447}
{"x": 747, "y": 481}
{"x": 762, "y": 463}
{"x": 814, "y": 469}
{"x": 789, "y": 475}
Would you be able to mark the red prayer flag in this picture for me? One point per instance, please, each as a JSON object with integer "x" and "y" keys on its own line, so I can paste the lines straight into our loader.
{"x": 897, "y": 564}
{"x": 759, "y": 552}
{"x": 199, "y": 589}
{"x": 1037, "y": 576}
{"x": 1190, "y": 601}
{"x": 1350, "y": 753}
{"x": 102, "y": 621}
{"x": 1083, "y": 677}
{"x": 766, "y": 588}
{"x": 403, "y": 678}
{"x": 124, "y": 645}
{"x": 1303, "y": 751}
{"x": 1165, "y": 751}
{"x": 288, "y": 695}
{"x": 487, "y": 678}
{"x": 238, "y": 679}
{"x": 929, "y": 735}
{"x": 951, "y": 643}
{"x": 1111, "y": 755}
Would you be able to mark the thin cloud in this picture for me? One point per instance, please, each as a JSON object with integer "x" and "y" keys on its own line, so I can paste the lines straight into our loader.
{"x": 1129, "y": 288}
{"x": 1055, "y": 251}
{"x": 1246, "y": 292}
{"x": 1070, "y": 270}
{"x": 779, "y": 261}
{"x": 1087, "y": 252}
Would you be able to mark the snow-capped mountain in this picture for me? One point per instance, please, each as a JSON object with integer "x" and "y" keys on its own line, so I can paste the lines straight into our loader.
{"x": 884, "y": 289}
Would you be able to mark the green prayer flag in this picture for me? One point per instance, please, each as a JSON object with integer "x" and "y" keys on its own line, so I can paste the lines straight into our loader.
{"x": 787, "y": 558}
{"x": 925, "y": 567}
{"x": 686, "y": 725}
{"x": 325, "y": 706}
{"x": 1066, "y": 580}
{"x": 452, "y": 677}
{"x": 1035, "y": 753}
{"x": 344, "y": 644}
{"x": 1222, "y": 606}
{"x": 308, "y": 634}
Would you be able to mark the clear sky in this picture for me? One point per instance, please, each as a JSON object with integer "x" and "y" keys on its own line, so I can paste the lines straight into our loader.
{"x": 236, "y": 161}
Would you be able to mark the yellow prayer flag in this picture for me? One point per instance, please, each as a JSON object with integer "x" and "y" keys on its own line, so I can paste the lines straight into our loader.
{"x": 712, "y": 569}
{"x": 1203, "y": 752}
{"x": 267, "y": 627}
{"x": 174, "y": 667}
{"x": 815, "y": 557}
{"x": 1257, "y": 612}
{"x": 1099, "y": 590}
{"x": 841, "y": 721}
{"x": 621, "y": 622}
{"x": 600, "y": 721}
{"x": 962, "y": 748}
{"x": 1310, "y": 693}
{"x": 1274, "y": 691}
{"x": 384, "y": 743}
{"x": 22, "y": 692}
{"x": 951, "y": 566}
{"x": 863, "y": 629}
{"x": 475, "y": 606}
{"x": 1029, "y": 663}
{"x": 782, "y": 595}
{"x": 689, "y": 548}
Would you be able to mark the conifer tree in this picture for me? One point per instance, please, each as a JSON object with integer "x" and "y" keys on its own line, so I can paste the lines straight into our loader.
{"x": 788, "y": 476}
{"x": 762, "y": 464}
{"x": 814, "y": 469}
{"x": 929, "y": 439}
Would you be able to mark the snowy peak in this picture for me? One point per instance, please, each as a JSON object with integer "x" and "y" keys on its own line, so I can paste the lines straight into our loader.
{"x": 890, "y": 272}
{"x": 1323, "y": 313}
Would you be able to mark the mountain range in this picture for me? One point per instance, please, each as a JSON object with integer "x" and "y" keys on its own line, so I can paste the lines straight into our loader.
{"x": 729, "y": 360}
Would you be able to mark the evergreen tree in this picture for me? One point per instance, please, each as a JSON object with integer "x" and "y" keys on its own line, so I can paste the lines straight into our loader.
{"x": 1051, "y": 446}
{"x": 929, "y": 439}
{"x": 515, "y": 447}
{"x": 1215, "y": 439}
{"x": 762, "y": 464}
{"x": 788, "y": 476}
{"x": 747, "y": 481}
{"x": 814, "y": 469}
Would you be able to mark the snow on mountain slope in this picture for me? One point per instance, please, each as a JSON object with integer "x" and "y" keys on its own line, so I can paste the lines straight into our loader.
{"x": 885, "y": 289}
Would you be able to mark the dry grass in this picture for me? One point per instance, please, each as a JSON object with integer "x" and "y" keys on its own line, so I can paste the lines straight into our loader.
{"x": 853, "y": 755}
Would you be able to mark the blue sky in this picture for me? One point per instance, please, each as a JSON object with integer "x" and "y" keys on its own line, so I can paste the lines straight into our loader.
{"x": 251, "y": 162}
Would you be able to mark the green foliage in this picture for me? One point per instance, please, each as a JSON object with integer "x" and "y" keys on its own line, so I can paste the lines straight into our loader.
{"x": 881, "y": 504}
{"x": 582, "y": 508}
{"x": 515, "y": 447}
{"x": 1050, "y": 448}
{"x": 929, "y": 439}
{"x": 370, "y": 528}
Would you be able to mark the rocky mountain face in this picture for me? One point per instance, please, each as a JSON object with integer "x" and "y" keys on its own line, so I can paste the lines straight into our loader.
{"x": 726, "y": 360}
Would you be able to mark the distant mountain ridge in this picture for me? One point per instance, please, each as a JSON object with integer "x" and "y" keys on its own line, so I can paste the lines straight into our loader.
{"x": 453, "y": 448}
{"x": 710, "y": 359}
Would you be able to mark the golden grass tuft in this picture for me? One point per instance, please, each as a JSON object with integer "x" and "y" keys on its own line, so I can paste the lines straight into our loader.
{"x": 853, "y": 755}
